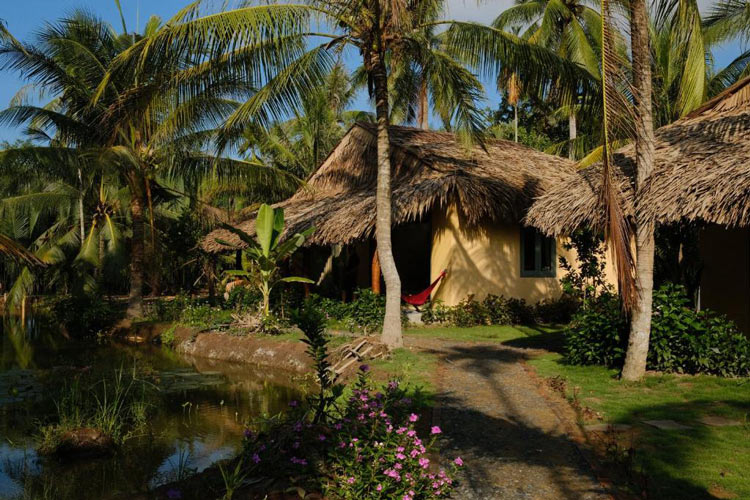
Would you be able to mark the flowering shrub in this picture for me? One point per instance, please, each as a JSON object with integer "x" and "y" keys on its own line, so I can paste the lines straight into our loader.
{"x": 369, "y": 450}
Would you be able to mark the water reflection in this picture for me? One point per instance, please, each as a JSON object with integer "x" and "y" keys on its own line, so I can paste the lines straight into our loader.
{"x": 202, "y": 405}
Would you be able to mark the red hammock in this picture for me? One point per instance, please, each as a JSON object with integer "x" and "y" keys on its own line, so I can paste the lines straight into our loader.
{"x": 421, "y": 298}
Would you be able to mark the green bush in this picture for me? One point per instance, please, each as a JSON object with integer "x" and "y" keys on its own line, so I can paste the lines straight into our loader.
{"x": 437, "y": 312}
{"x": 168, "y": 338}
{"x": 597, "y": 334}
{"x": 682, "y": 339}
{"x": 469, "y": 312}
{"x": 204, "y": 316}
{"x": 365, "y": 313}
{"x": 84, "y": 314}
{"x": 163, "y": 309}
{"x": 686, "y": 341}
{"x": 559, "y": 311}
{"x": 243, "y": 298}
{"x": 497, "y": 310}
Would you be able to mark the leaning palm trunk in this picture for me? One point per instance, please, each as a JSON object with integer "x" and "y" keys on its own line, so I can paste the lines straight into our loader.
{"x": 391, "y": 335}
{"x": 640, "y": 326}
{"x": 135, "y": 297}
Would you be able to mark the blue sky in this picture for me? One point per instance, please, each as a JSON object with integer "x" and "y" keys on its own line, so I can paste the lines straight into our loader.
{"x": 24, "y": 17}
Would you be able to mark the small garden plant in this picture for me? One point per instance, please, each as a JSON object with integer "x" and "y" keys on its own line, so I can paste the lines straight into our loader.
{"x": 266, "y": 252}
{"x": 370, "y": 449}
{"x": 364, "y": 447}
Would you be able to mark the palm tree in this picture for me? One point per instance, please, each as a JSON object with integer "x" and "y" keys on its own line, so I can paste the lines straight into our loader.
{"x": 638, "y": 287}
{"x": 139, "y": 128}
{"x": 381, "y": 32}
{"x": 569, "y": 27}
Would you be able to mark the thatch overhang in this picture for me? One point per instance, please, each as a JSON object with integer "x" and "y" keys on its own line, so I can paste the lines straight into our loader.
{"x": 430, "y": 169}
{"x": 701, "y": 172}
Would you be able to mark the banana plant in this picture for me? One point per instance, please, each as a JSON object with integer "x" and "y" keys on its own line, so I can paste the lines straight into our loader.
{"x": 266, "y": 252}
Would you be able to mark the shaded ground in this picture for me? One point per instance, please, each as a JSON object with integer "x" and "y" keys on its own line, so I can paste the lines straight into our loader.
{"x": 516, "y": 445}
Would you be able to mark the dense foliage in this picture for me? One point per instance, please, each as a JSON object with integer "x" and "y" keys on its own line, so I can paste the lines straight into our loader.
{"x": 682, "y": 340}
{"x": 497, "y": 310}
{"x": 363, "y": 314}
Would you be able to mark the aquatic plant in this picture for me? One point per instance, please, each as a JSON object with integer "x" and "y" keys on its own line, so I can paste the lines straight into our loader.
{"x": 114, "y": 406}
{"x": 233, "y": 479}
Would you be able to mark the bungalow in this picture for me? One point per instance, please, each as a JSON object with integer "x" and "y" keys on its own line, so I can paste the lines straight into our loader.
{"x": 701, "y": 173}
{"x": 455, "y": 208}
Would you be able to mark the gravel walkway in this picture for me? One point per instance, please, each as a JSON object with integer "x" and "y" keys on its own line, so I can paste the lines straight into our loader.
{"x": 515, "y": 442}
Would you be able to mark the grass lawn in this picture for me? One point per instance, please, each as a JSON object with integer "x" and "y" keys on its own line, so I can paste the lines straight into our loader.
{"x": 701, "y": 462}
{"x": 537, "y": 336}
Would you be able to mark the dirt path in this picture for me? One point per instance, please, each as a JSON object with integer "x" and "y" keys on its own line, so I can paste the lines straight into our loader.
{"x": 510, "y": 436}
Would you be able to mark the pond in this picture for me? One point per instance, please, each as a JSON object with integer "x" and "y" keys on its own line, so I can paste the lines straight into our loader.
{"x": 198, "y": 416}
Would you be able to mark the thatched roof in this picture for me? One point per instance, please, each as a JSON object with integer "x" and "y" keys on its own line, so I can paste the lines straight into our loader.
{"x": 701, "y": 172}
{"x": 429, "y": 169}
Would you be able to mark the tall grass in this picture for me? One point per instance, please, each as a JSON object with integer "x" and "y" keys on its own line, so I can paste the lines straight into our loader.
{"x": 115, "y": 404}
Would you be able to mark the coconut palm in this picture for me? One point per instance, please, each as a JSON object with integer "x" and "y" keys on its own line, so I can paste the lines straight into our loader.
{"x": 569, "y": 27}
{"x": 728, "y": 20}
{"x": 140, "y": 129}
{"x": 381, "y": 33}
{"x": 635, "y": 272}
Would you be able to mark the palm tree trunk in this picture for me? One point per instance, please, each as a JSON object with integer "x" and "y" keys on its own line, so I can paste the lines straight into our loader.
{"x": 640, "y": 325}
{"x": 100, "y": 266}
{"x": 391, "y": 335}
{"x": 80, "y": 207}
{"x": 515, "y": 122}
{"x": 424, "y": 107}
{"x": 572, "y": 134}
{"x": 135, "y": 297}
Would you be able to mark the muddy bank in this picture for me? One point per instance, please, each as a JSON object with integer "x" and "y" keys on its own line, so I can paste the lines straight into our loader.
{"x": 281, "y": 354}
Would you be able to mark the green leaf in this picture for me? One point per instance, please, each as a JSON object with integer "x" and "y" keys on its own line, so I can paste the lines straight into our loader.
{"x": 264, "y": 226}
{"x": 278, "y": 226}
{"x": 296, "y": 279}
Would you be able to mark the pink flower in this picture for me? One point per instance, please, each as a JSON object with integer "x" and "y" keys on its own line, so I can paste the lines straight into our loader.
{"x": 378, "y": 488}
{"x": 435, "y": 430}
{"x": 400, "y": 456}
{"x": 350, "y": 480}
{"x": 321, "y": 437}
{"x": 413, "y": 417}
{"x": 411, "y": 433}
{"x": 424, "y": 462}
{"x": 256, "y": 458}
{"x": 397, "y": 466}
{"x": 458, "y": 461}
{"x": 401, "y": 430}
{"x": 406, "y": 497}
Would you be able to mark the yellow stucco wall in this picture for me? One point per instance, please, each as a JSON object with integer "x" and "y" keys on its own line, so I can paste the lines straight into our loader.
{"x": 725, "y": 280}
{"x": 486, "y": 261}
